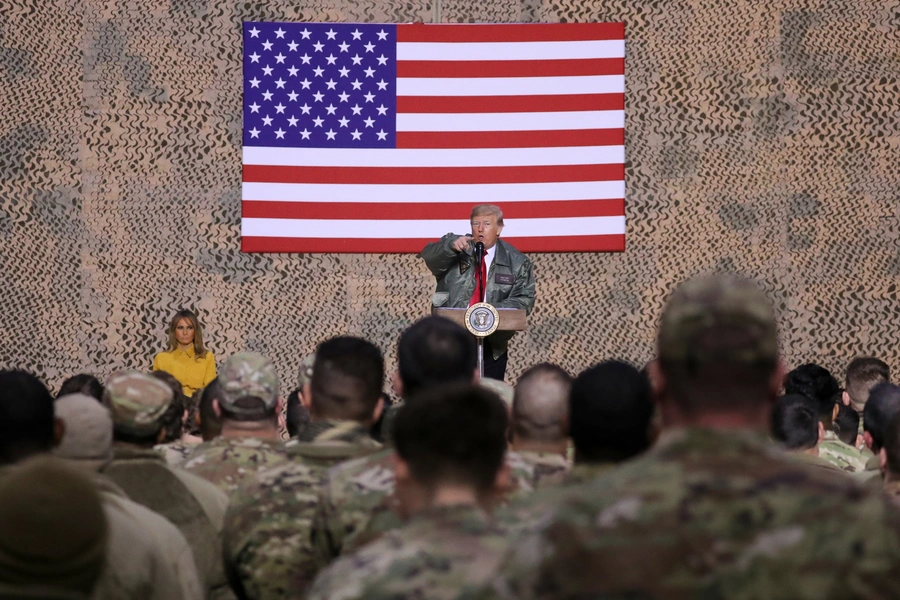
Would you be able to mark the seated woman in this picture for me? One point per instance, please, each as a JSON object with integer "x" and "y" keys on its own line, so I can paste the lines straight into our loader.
{"x": 186, "y": 359}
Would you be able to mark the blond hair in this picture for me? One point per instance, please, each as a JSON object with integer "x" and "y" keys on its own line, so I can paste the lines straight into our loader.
{"x": 487, "y": 209}
{"x": 199, "y": 350}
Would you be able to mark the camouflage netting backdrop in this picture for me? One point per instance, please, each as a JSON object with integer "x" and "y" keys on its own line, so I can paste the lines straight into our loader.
{"x": 762, "y": 138}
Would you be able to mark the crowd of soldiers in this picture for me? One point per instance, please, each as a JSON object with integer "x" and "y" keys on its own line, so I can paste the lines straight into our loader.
{"x": 711, "y": 473}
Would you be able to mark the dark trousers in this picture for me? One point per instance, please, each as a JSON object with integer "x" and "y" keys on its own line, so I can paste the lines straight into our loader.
{"x": 495, "y": 369}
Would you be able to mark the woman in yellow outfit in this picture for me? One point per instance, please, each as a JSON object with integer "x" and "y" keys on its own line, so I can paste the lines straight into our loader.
{"x": 186, "y": 359}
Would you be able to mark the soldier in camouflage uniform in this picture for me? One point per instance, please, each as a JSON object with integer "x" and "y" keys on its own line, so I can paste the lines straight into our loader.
{"x": 539, "y": 428}
{"x": 713, "y": 510}
{"x": 889, "y": 459}
{"x": 267, "y": 534}
{"x": 250, "y": 439}
{"x": 450, "y": 444}
{"x": 432, "y": 352}
{"x": 138, "y": 403}
{"x": 817, "y": 384}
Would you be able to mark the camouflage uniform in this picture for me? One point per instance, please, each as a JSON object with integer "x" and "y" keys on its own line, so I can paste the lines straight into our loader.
{"x": 442, "y": 553}
{"x": 844, "y": 456}
{"x": 534, "y": 470}
{"x": 710, "y": 514}
{"x": 226, "y": 462}
{"x": 267, "y": 527}
{"x": 176, "y": 452}
{"x": 356, "y": 503}
{"x": 585, "y": 472}
{"x": 455, "y": 282}
{"x": 137, "y": 403}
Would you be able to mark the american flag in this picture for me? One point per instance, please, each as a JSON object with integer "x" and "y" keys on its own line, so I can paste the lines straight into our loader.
{"x": 381, "y": 138}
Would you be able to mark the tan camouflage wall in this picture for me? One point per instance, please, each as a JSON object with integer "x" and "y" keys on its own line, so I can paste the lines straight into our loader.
{"x": 762, "y": 138}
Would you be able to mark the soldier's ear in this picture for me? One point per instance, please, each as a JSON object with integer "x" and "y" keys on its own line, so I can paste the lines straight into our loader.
{"x": 59, "y": 431}
{"x": 868, "y": 438}
{"x": 845, "y": 398}
{"x": 379, "y": 408}
{"x": 216, "y": 408}
{"x": 397, "y": 383}
{"x": 306, "y": 397}
{"x": 882, "y": 460}
{"x": 821, "y": 433}
{"x": 835, "y": 411}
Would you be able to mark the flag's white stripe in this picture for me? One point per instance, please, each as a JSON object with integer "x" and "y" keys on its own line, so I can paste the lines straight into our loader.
{"x": 510, "y": 86}
{"x": 369, "y": 229}
{"x": 466, "y": 51}
{"x": 428, "y": 157}
{"x": 542, "y": 121}
{"x": 475, "y": 193}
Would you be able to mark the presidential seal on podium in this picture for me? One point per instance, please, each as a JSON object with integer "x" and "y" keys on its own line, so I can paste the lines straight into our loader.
{"x": 482, "y": 319}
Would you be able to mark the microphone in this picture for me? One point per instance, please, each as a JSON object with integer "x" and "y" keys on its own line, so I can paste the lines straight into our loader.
{"x": 479, "y": 252}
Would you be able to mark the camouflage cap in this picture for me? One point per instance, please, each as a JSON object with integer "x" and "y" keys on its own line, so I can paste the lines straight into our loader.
{"x": 501, "y": 388}
{"x": 137, "y": 402}
{"x": 718, "y": 318}
{"x": 306, "y": 370}
{"x": 248, "y": 374}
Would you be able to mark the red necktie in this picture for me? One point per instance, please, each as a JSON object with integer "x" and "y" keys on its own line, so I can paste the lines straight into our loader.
{"x": 480, "y": 277}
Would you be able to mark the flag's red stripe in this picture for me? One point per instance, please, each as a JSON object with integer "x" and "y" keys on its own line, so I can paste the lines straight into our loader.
{"x": 510, "y": 68}
{"x": 432, "y": 175}
{"x": 587, "y": 243}
{"x": 400, "y": 211}
{"x": 543, "y": 32}
{"x": 511, "y": 139}
{"x": 509, "y": 104}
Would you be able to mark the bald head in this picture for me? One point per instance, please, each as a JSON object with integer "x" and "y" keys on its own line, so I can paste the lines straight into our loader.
{"x": 540, "y": 411}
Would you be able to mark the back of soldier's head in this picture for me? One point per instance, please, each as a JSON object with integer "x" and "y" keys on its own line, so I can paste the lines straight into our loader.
{"x": 794, "y": 423}
{"x": 296, "y": 415}
{"x": 210, "y": 421}
{"x": 53, "y": 530}
{"x": 434, "y": 351}
{"x": 138, "y": 404}
{"x": 346, "y": 380}
{"x": 610, "y": 411}
{"x": 26, "y": 416}
{"x": 882, "y": 406}
{"x": 173, "y": 419}
{"x": 248, "y": 388}
{"x": 846, "y": 423}
{"x": 817, "y": 384}
{"x": 540, "y": 407}
{"x": 453, "y": 434}
{"x": 82, "y": 383}
{"x": 718, "y": 346}
{"x": 892, "y": 445}
{"x": 864, "y": 373}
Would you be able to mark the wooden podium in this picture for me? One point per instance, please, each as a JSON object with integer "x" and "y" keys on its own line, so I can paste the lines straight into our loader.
{"x": 507, "y": 319}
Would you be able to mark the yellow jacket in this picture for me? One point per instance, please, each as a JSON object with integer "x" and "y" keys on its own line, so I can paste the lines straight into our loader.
{"x": 193, "y": 373}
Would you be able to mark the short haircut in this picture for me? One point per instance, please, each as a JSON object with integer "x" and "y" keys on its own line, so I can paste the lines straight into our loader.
{"x": 173, "y": 419}
{"x": 82, "y": 383}
{"x": 892, "y": 445}
{"x": 847, "y": 424}
{"x": 610, "y": 411}
{"x": 487, "y": 209}
{"x": 453, "y": 434}
{"x": 794, "y": 422}
{"x": 816, "y": 383}
{"x": 210, "y": 422}
{"x": 864, "y": 373}
{"x": 435, "y": 351}
{"x": 377, "y": 430}
{"x": 540, "y": 409}
{"x": 296, "y": 415}
{"x": 347, "y": 379}
{"x": 26, "y": 416}
{"x": 882, "y": 406}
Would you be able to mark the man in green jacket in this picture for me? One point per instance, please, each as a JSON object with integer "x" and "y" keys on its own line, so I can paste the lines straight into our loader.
{"x": 508, "y": 282}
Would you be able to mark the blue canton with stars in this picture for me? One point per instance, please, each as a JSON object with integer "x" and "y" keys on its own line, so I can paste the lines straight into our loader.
{"x": 320, "y": 85}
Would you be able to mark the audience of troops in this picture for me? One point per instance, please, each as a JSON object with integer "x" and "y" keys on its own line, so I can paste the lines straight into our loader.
{"x": 711, "y": 473}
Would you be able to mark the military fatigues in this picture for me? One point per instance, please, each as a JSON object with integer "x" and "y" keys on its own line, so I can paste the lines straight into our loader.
{"x": 455, "y": 283}
{"x": 534, "y": 470}
{"x": 356, "y": 503}
{"x": 844, "y": 456}
{"x": 176, "y": 452}
{"x": 442, "y": 553}
{"x": 226, "y": 462}
{"x": 267, "y": 528}
{"x": 710, "y": 514}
